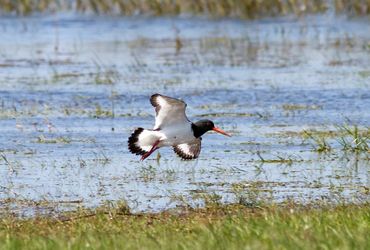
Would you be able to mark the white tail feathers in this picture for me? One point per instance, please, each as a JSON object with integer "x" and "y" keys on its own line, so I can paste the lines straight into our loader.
{"x": 142, "y": 140}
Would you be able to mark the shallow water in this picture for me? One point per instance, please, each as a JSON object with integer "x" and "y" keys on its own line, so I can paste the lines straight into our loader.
{"x": 74, "y": 88}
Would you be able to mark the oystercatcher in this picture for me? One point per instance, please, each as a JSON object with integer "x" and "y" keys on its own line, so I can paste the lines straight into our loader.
{"x": 172, "y": 128}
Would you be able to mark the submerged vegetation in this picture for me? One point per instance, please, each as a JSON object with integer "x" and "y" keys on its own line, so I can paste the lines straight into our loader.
{"x": 289, "y": 226}
{"x": 214, "y": 8}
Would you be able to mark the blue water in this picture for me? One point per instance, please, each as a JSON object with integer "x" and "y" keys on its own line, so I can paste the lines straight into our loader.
{"x": 73, "y": 88}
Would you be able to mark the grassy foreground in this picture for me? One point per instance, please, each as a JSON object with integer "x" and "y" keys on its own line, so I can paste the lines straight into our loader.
{"x": 217, "y": 227}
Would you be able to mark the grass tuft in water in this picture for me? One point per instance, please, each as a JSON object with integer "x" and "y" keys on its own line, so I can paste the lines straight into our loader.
{"x": 283, "y": 160}
{"x": 350, "y": 138}
{"x": 43, "y": 139}
{"x": 353, "y": 139}
{"x": 320, "y": 143}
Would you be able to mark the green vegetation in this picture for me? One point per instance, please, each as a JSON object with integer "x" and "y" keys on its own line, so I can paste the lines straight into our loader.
{"x": 288, "y": 226}
{"x": 351, "y": 138}
{"x": 100, "y": 112}
{"x": 292, "y": 107}
{"x": 43, "y": 139}
{"x": 214, "y": 8}
{"x": 354, "y": 139}
{"x": 320, "y": 143}
{"x": 288, "y": 160}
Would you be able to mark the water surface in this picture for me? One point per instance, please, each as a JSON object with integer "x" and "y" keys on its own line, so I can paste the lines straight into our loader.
{"x": 73, "y": 88}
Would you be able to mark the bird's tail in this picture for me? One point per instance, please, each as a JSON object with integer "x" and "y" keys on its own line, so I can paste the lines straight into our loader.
{"x": 142, "y": 140}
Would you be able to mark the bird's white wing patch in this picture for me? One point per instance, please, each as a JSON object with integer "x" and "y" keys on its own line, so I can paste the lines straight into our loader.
{"x": 169, "y": 110}
{"x": 147, "y": 138}
{"x": 188, "y": 151}
{"x": 142, "y": 140}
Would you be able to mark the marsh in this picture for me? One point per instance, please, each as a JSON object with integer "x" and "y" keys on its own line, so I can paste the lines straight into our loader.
{"x": 74, "y": 86}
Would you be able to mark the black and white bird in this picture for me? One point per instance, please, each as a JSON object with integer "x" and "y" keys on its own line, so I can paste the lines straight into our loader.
{"x": 172, "y": 128}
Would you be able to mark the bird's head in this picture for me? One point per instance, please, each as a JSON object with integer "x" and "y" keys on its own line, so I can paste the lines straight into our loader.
{"x": 203, "y": 126}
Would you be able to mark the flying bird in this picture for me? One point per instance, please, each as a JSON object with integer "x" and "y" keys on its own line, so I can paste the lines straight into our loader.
{"x": 172, "y": 129}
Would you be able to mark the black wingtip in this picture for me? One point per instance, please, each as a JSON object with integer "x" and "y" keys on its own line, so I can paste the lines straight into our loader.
{"x": 133, "y": 139}
{"x": 153, "y": 100}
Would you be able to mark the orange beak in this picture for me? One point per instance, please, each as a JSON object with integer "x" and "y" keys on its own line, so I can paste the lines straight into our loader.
{"x": 218, "y": 130}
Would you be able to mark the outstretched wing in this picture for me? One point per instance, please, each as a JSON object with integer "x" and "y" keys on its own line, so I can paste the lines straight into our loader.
{"x": 168, "y": 110}
{"x": 188, "y": 151}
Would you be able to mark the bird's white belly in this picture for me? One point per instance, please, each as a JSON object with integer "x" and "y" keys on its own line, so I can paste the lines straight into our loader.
{"x": 177, "y": 134}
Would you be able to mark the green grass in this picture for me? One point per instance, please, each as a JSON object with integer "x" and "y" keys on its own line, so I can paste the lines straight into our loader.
{"x": 354, "y": 139}
{"x": 347, "y": 138}
{"x": 216, "y": 227}
{"x": 350, "y": 138}
{"x": 293, "y": 107}
{"x": 213, "y": 8}
{"x": 320, "y": 143}
{"x": 43, "y": 139}
{"x": 279, "y": 159}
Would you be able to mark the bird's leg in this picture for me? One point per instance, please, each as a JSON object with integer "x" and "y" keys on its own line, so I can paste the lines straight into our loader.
{"x": 150, "y": 151}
